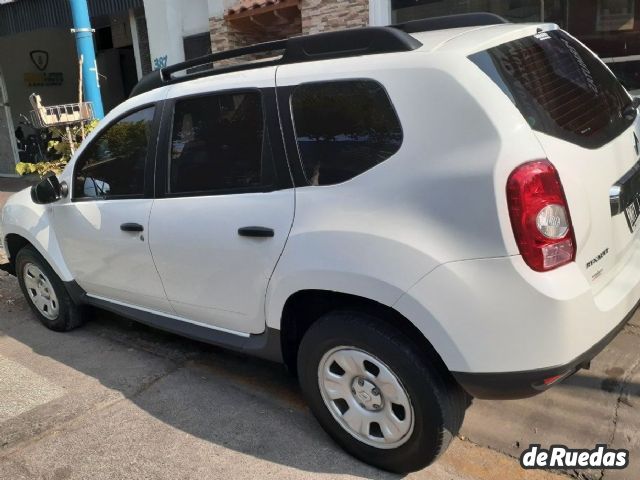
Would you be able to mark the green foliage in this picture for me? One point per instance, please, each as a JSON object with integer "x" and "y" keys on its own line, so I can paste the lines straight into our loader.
{"x": 58, "y": 151}
{"x": 23, "y": 168}
{"x": 41, "y": 168}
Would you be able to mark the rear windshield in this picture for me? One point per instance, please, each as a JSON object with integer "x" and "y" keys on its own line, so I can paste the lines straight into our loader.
{"x": 560, "y": 88}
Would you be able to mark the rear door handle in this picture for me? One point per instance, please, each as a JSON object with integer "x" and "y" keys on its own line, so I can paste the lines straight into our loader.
{"x": 131, "y": 227}
{"x": 259, "y": 232}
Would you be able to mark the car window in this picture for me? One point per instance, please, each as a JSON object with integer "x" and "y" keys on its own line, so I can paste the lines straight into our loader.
{"x": 113, "y": 165}
{"x": 343, "y": 128}
{"x": 218, "y": 145}
{"x": 560, "y": 87}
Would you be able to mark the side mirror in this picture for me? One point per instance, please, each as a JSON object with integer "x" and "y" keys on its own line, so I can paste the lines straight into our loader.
{"x": 47, "y": 191}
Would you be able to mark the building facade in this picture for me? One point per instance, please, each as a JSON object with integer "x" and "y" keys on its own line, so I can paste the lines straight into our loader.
{"x": 609, "y": 27}
{"x": 38, "y": 55}
{"x": 134, "y": 37}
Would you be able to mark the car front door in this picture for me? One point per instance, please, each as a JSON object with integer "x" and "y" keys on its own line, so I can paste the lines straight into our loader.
{"x": 102, "y": 228}
{"x": 226, "y": 202}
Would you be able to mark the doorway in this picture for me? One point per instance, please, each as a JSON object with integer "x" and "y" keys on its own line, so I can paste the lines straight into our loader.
{"x": 8, "y": 148}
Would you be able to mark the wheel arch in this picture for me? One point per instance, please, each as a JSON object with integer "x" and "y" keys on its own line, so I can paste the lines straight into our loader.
{"x": 15, "y": 241}
{"x": 305, "y": 307}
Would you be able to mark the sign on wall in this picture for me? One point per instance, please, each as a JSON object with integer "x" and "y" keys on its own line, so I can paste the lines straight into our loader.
{"x": 42, "y": 78}
{"x": 40, "y": 59}
{"x": 614, "y": 15}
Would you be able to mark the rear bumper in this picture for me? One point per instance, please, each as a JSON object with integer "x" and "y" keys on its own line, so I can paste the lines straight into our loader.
{"x": 514, "y": 385}
{"x": 504, "y": 329}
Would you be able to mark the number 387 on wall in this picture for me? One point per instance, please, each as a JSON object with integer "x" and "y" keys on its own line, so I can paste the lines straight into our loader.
{"x": 160, "y": 62}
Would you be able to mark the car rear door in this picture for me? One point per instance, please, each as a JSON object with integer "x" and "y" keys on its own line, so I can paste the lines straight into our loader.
{"x": 225, "y": 201}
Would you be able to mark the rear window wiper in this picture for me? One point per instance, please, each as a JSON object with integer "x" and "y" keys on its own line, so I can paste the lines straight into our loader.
{"x": 631, "y": 110}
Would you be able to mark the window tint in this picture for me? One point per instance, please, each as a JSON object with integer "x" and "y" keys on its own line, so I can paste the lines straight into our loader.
{"x": 559, "y": 87}
{"x": 113, "y": 165}
{"x": 217, "y": 144}
{"x": 343, "y": 128}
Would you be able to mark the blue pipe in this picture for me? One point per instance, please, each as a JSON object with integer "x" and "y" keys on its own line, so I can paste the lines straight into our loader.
{"x": 84, "y": 45}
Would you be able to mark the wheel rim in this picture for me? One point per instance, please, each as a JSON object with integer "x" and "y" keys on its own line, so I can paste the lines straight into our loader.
{"x": 40, "y": 291}
{"x": 365, "y": 397}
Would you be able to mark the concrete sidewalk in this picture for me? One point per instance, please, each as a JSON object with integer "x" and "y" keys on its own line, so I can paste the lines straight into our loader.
{"x": 600, "y": 405}
{"x": 117, "y": 400}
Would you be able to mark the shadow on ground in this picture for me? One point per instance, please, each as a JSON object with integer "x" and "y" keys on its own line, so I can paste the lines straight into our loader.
{"x": 248, "y": 405}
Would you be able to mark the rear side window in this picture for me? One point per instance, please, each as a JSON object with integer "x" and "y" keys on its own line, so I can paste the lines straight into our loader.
{"x": 343, "y": 128}
{"x": 217, "y": 145}
{"x": 559, "y": 87}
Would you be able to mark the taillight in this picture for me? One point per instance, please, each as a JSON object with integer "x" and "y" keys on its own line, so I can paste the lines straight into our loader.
{"x": 540, "y": 216}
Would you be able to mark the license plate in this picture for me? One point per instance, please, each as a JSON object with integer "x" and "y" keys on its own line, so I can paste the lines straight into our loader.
{"x": 629, "y": 197}
{"x": 632, "y": 212}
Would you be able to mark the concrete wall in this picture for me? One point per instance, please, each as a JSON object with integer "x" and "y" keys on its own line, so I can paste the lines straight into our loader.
{"x": 8, "y": 150}
{"x": 379, "y": 12}
{"x": 16, "y": 62}
{"x": 169, "y": 21}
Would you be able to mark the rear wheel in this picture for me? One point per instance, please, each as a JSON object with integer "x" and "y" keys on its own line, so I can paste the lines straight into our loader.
{"x": 376, "y": 393}
{"x": 45, "y": 292}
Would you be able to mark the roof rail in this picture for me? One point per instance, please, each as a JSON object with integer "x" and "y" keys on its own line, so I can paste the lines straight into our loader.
{"x": 344, "y": 43}
{"x": 477, "y": 19}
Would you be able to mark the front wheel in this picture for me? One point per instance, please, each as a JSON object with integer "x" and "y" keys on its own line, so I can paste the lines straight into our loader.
{"x": 372, "y": 389}
{"x": 45, "y": 292}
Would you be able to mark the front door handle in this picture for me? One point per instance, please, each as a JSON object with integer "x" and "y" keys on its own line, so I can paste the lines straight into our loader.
{"x": 131, "y": 227}
{"x": 259, "y": 232}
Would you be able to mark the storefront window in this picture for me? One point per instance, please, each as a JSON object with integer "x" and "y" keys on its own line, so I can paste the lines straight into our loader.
{"x": 614, "y": 15}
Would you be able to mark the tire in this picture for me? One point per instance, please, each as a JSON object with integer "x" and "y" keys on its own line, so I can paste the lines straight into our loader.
{"x": 45, "y": 292}
{"x": 436, "y": 403}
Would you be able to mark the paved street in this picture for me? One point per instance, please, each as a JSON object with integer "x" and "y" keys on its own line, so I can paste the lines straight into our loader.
{"x": 9, "y": 185}
{"x": 118, "y": 400}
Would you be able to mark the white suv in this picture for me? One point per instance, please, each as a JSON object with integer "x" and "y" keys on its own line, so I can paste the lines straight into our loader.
{"x": 402, "y": 215}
